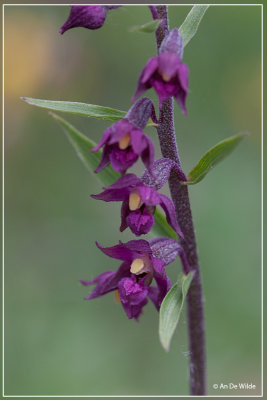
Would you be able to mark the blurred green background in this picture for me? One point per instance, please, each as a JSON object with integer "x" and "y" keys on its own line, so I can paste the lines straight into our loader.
{"x": 57, "y": 343}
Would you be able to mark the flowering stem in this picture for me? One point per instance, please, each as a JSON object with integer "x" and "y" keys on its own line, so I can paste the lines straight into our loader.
{"x": 181, "y": 201}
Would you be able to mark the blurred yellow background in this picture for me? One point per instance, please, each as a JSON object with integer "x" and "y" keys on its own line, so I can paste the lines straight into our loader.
{"x": 56, "y": 343}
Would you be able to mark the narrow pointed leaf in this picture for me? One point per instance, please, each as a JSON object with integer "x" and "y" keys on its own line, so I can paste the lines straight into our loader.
{"x": 83, "y": 146}
{"x": 190, "y": 25}
{"x": 88, "y": 110}
{"x": 171, "y": 308}
{"x": 149, "y": 27}
{"x": 212, "y": 158}
{"x": 161, "y": 227}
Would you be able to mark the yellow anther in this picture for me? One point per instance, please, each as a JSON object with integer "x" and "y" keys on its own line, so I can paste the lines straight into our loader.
{"x": 125, "y": 141}
{"x": 117, "y": 296}
{"x": 165, "y": 77}
{"x": 137, "y": 266}
{"x": 135, "y": 201}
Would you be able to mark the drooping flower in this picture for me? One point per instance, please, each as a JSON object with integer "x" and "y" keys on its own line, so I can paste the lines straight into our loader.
{"x": 139, "y": 204}
{"x": 166, "y": 73}
{"x": 124, "y": 141}
{"x": 132, "y": 281}
{"x": 91, "y": 17}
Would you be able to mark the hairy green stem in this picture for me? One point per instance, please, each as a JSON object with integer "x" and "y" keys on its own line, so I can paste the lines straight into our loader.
{"x": 180, "y": 197}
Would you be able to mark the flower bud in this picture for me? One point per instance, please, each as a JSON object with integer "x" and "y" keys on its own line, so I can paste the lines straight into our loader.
{"x": 91, "y": 17}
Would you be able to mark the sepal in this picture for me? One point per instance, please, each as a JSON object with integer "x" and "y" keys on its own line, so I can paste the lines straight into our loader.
{"x": 140, "y": 113}
{"x": 165, "y": 249}
{"x": 159, "y": 173}
{"x": 173, "y": 43}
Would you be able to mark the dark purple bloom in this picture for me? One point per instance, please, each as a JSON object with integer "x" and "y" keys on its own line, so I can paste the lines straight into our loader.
{"x": 91, "y": 17}
{"x": 124, "y": 142}
{"x": 132, "y": 281}
{"x": 139, "y": 203}
{"x": 166, "y": 73}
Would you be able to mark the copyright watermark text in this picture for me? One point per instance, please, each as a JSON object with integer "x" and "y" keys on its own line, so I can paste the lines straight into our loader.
{"x": 234, "y": 386}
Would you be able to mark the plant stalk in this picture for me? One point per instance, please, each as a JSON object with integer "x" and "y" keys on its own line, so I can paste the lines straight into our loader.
{"x": 180, "y": 197}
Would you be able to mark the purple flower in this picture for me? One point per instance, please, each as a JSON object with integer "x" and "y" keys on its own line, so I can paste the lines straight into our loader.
{"x": 139, "y": 203}
{"x": 166, "y": 73}
{"x": 132, "y": 281}
{"x": 124, "y": 142}
{"x": 91, "y": 17}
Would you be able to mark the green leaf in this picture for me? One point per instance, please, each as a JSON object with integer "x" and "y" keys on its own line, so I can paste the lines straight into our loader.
{"x": 190, "y": 25}
{"x": 107, "y": 176}
{"x": 213, "y": 157}
{"x": 88, "y": 110}
{"x": 149, "y": 27}
{"x": 171, "y": 309}
{"x": 161, "y": 227}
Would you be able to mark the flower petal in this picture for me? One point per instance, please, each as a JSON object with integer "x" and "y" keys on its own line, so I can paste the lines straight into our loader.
{"x": 112, "y": 195}
{"x": 133, "y": 296}
{"x": 121, "y": 160}
{"x": 163, "y": 282}
{"x": 127, "y": 251}
{"x": 104, "y": 159}
{"x": 140, "y": 222}
{"x": 119, "y": 129}
{"x": 168, "y": 207}
{"x": 183, "y": 76}
{"x": 145, "y": 74}
{"x": 138, "y": 141}
{"x": 148, "y": 195}
{"x": 125, "y": 181}
{"x": 119, "y": 251}
{"x": 150, "y": 68}
{"x": 104, "y": 140}
{"x": 107, "y": 281}
{"x": 120, "y": 190}
{"x": 124, "y": 212}
{"x": 138, "y": 246}
{"x": 149, "y": 153}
